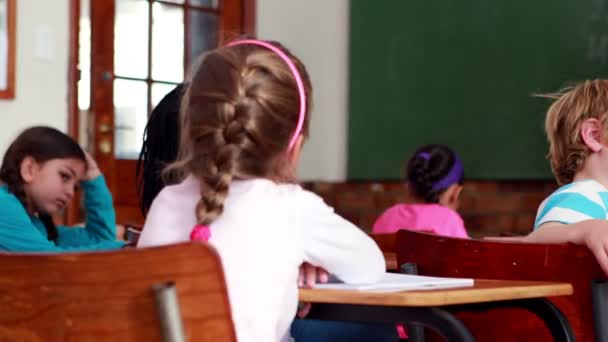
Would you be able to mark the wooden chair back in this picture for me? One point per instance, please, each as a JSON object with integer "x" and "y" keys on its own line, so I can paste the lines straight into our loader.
{"x": 109, "y": 295}
{"x": 386, "y": 243}
{"x": 453, "y": 257}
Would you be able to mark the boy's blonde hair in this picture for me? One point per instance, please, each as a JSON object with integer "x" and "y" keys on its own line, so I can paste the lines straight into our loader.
{"x": 567, "y": 150}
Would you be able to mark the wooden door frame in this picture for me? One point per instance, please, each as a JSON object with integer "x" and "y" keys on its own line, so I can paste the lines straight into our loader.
{"x": 72, "y": 214}
{"x": 11, "y": 47}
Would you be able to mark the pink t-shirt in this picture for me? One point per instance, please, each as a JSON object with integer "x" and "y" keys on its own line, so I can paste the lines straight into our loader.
{"x": 433, "y": 218}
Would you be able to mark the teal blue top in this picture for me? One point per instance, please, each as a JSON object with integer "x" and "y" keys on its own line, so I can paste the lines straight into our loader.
{"x": 22, "y": 232}
{"x": 578, "y": 201}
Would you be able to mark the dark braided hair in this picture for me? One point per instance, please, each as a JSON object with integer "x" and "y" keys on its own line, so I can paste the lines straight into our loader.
{"x": 42, "y": 144}
{"x": 161, "y": 141}
{"x": 429, "y": 165}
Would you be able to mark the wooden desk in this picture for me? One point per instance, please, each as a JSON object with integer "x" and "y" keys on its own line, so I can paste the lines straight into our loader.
{"x": 433, "y": 308}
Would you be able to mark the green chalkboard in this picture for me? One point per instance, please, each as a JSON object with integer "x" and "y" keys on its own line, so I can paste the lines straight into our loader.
{"x": 462, "y": 73}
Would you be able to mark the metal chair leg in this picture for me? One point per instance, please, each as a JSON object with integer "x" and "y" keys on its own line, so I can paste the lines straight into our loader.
{"x": 167, "y": 306}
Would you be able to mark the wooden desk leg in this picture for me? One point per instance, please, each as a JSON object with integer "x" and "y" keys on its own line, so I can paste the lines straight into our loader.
{"x": 438, "y": 319}
{"x": 415, "y": 333}
{"x": 554, "y": 319}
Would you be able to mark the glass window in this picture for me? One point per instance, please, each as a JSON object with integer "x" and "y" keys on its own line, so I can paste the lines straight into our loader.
{"x": 84, "y": 57}
{"x": 131, "y": 39}
{"x": 159, "y": 90}
{"x": 205, "y": 3}
{"x": 167, "y": 42}
{"x": 203, "y": 32}
{"x": 130, "y": 117}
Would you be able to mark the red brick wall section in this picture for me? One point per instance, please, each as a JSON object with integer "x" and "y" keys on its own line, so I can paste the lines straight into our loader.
{"x": 488, "y": 208}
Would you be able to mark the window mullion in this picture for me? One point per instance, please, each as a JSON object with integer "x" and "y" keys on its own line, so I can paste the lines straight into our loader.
{"x": 187, "y": 39}
{"x": 150, "y": 60}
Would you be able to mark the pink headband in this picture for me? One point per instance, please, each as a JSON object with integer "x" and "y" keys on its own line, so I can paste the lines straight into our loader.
{"x": 296, "y": 75}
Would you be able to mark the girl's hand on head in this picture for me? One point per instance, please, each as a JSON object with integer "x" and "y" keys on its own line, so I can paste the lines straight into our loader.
{"x": 92, "y": 168}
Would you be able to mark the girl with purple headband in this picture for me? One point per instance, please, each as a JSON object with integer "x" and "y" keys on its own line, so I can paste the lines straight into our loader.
{"x": 245, "y": 116}
{"x": 434, "y": 177}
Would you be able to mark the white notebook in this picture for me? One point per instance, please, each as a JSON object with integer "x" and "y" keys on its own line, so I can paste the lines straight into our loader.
{"x": 394, "y": 282}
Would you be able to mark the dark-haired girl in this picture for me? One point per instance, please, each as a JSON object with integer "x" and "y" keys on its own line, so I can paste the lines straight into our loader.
{"x": 40, "y": 172}
{"x": 434, "y": 176}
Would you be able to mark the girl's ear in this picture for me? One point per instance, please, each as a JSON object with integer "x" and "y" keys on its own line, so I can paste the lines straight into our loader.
{"x": 28, "y": 169}
{"x": 451, "y": 196}
{"x": 591, "y": 133}
{"x": 456, "y": 194}
{"x": 294, "y": 153}
{"x": 292, "y": 159}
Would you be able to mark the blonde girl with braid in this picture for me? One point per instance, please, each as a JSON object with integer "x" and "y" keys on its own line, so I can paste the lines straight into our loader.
{"x": 245, "y": 116}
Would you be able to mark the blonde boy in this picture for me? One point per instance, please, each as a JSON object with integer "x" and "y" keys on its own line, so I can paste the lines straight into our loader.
{"x": 577, "y": 129}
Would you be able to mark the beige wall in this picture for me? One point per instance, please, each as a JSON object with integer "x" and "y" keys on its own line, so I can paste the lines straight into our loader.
{"x": 41, "y": 78}
{"x": 317, "y": 32}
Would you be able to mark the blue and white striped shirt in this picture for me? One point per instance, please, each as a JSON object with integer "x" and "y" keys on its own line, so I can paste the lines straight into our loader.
{"x": 574, "y": 202}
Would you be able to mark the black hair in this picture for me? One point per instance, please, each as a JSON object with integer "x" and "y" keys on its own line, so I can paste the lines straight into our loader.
{"x": 159, "y": 148}
{"x": 429, "y": 165}
{"x": 42, "y": 144}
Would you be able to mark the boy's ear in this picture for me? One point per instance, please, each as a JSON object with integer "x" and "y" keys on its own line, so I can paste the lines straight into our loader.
{"x": 591, "y": 133}
{"x": 28, "y": 169}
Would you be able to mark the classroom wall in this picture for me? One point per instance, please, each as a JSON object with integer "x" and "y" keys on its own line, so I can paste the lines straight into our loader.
{"x": 488, "y": 208}
{"x": 41, "y": 69}
{"x": 317, "y": 32}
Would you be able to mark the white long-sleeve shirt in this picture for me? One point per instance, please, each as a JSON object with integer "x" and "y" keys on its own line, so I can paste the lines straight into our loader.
{"x": 267, "y": 230}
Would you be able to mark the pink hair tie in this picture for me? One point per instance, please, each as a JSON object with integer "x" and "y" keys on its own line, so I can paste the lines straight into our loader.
{"x": 200, "y": 233}
{"x": 296, "y": 75}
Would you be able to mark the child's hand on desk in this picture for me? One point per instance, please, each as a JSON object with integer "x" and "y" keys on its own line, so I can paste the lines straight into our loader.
{"x": 121, "y": 231}
{"x": 591, "y": 233}
{"x": 308, "y": 276}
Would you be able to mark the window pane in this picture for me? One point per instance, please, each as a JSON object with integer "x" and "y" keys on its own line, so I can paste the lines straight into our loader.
{"x": 206, "y": 3}
{"x": 130, "y": 116}
{"x": 159, "y": 90}
{"x": 84, "y": 57}
{"x": 203, "y": 33}
{"x": 131, "y": 38}
{"x": 167, "y": 43}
